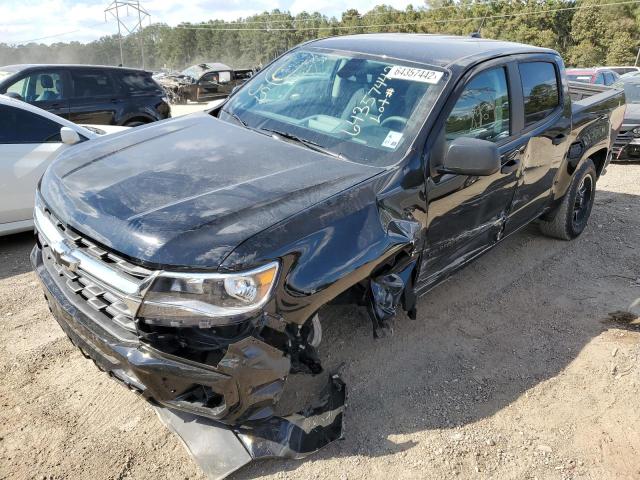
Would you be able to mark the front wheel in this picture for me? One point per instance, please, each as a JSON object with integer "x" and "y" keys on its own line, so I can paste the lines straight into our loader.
{"x": 571, "y": 216}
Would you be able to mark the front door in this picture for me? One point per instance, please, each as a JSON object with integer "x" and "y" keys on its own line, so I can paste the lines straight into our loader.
{"x": 48, "y": 89}
{"x": 467, "y": 213}
{"x": 215, "y": 85}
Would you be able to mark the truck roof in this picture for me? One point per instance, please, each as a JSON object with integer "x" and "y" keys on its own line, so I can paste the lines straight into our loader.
{"x": 437, "y": 50}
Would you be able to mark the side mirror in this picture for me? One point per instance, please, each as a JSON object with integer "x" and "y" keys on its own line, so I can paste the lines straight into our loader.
{"x": 69, "y": 136}
{"x": 471, "y": 156}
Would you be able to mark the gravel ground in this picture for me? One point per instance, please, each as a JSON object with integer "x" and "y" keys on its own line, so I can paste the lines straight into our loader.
{"x": 518, "y": 367}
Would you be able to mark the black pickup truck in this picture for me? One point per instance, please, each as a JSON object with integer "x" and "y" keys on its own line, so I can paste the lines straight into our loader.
{"x": 190, "y": 258}
{"x": 202, "y": 82}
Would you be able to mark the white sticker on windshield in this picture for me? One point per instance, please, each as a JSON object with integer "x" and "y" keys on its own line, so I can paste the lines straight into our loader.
{"x": 392, "y": 140}
{"x": 415, "y": 74}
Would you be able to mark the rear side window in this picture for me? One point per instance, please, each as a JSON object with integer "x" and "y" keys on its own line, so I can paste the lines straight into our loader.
{"x": 91, "y": 83}
{"x": 135, "y": 82}
{"x": 482, "y": 111}
{"x": 540, "y": 90}
{"x": 21, "y": 126}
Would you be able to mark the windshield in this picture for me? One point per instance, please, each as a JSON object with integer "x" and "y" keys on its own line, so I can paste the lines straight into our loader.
{"x": 631, "y": 90}
{"x": 193, "y": 72}
{"x": 366, "y": 110}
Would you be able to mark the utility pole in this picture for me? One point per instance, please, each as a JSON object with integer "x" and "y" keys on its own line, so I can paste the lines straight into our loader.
{"x": 114, "y": 10}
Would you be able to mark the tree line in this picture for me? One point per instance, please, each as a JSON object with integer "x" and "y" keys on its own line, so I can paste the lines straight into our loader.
{"x": 585, "y": 32}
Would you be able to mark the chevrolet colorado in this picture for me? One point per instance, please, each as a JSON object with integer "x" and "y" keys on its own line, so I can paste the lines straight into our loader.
{"x": 189, "y": 258}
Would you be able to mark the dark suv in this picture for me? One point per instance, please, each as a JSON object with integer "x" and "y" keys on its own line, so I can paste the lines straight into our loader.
{"x": 88, "y": 94}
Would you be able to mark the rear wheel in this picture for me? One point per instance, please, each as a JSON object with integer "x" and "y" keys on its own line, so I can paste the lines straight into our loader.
{"x": 572, "y": 215}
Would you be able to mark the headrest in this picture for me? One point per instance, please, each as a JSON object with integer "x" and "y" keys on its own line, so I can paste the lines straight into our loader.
{"x": 355, "y": 67}
{"x": 46, "y": 81}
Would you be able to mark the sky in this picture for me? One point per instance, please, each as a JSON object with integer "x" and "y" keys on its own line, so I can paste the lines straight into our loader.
{"x": 49, "y": 21}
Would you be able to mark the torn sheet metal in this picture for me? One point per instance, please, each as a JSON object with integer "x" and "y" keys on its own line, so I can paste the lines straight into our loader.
{"x": 220, "y": 450}
{"x": 300, "y": 434}
{"x": 213, "y": 446}
{"x": 386, "y": 293}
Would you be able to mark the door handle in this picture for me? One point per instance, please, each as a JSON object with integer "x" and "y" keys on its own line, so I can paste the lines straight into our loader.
{"x": 558, "y": 139}
{"x": 511, "y": 166}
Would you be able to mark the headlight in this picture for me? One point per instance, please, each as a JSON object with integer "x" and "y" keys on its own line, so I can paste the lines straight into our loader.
{"x": 636, "y": 132}
{"x": 205, "y": 300}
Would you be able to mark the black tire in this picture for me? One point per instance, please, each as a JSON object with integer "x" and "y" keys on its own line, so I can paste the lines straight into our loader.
{"x": 572, "y": 215}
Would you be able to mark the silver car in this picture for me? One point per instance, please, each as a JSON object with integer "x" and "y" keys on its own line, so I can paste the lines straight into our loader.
{"x": 30, "y": 138}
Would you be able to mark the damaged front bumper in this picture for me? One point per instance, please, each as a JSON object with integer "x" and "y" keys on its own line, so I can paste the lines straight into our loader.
{"x": 238, "y": 394}
{"x": 220, "y": 450}
{"x": 246, "y": 383}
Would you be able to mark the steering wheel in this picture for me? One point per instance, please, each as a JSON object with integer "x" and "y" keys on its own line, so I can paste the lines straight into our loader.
{"x": 394, "y": 118}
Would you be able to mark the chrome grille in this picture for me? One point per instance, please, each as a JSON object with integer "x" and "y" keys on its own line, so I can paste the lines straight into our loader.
{"x": 106, "y": 298}
{"x": 622, "y": 140}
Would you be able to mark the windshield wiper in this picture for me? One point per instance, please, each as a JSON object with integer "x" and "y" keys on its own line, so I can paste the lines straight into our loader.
{"x": 311, "y": 145}
{"x": 236, "y": 118}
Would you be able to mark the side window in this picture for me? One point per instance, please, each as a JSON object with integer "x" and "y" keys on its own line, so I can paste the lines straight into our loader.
{"x": 92, "y": 83}
{"x": 138, "y": 83}
{"x": 599, "y": 79}
{"x": 19, "y": 87}
{"x": 210, "y": 77}
{"x": 21, "y": 126}
{"x": 482, "y": 111}
{"x": 40, "y": 86}
{"x": 225, "y": 77}
{"x": 540, "y": 90}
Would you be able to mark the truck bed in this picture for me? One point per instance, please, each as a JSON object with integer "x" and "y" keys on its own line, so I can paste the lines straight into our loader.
{"x": 587, "y": 97}
{"x": 592, "y": 105}
{"x": 596, "y": 100}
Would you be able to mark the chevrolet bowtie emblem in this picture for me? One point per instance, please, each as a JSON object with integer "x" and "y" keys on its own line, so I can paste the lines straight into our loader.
{"x": 63, "y": 255}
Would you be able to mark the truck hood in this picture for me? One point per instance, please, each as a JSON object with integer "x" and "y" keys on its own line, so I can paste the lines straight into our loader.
{"x": 185, "y": 192}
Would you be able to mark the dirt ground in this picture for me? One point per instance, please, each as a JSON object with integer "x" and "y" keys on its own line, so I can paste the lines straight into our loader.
{"x": 514, "y": 369}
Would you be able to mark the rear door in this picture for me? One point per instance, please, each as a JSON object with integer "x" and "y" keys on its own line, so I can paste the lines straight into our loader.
{"x": 467, "y": 213}
{"x": 46, "y": 88}
{"x": 96, "y": 99}
{"x": 547, "y": 127}
{"x": 28, "y": 143}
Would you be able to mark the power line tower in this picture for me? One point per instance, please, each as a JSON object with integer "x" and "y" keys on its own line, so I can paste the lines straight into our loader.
{"x": 114, "y": 10}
